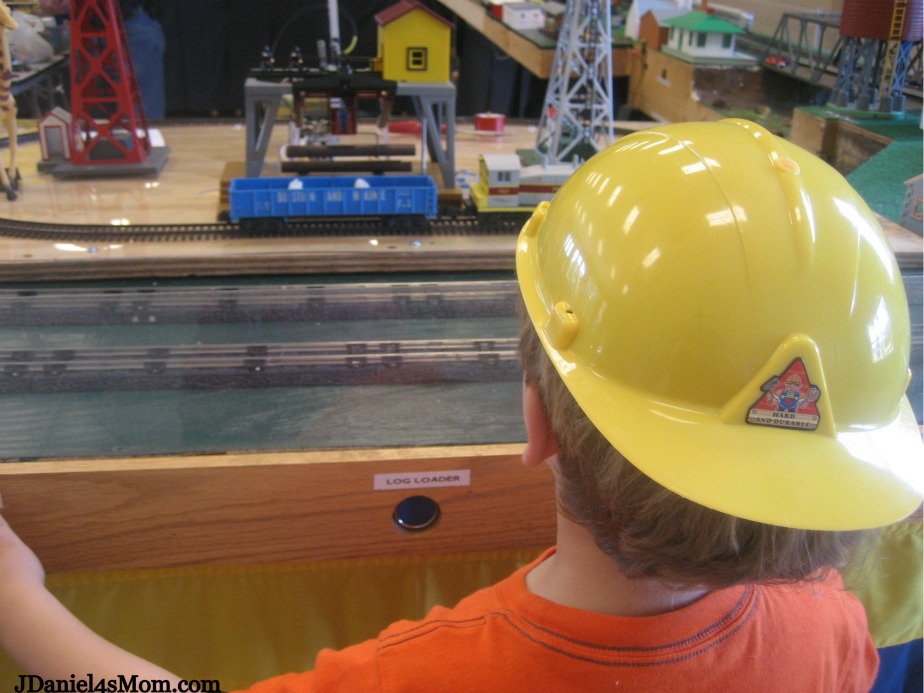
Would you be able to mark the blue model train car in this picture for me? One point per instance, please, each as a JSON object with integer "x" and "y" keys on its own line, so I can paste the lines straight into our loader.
{"x": 288, "y": 197}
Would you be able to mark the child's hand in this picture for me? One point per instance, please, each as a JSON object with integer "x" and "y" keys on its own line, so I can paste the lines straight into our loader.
{"x": 30, "y": 615}
{"x": 19, "y": 566}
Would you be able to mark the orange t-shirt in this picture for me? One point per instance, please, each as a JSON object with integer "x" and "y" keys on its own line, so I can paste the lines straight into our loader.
{"x": 807, "y": 637}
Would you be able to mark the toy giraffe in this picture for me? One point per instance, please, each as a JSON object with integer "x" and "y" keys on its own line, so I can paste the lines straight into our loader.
{"x": 9, "y": 178}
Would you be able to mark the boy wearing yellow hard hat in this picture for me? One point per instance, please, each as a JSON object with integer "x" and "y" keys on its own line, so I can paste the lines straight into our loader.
{"x": 674, "y": 282}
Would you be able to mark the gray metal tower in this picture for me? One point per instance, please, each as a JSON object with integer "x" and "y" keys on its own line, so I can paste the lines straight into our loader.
{"x": 577, "y": 117}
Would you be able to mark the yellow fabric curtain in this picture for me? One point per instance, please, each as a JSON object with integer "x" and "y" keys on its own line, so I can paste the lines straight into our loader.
{"x": 890, "y": 585}
{"x": 243, "y": 624}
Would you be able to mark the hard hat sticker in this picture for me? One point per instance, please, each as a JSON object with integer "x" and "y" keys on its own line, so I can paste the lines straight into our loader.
{"x": 788, "y": 401}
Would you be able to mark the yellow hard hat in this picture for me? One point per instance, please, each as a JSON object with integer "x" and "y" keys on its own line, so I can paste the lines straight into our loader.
{"x": 727, "y": 311}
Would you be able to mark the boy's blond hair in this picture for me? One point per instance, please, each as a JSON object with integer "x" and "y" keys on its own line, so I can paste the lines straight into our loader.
{"x": 651, "y": 532}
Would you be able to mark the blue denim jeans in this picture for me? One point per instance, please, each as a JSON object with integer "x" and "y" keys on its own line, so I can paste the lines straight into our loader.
{"x": 145, "y": 40}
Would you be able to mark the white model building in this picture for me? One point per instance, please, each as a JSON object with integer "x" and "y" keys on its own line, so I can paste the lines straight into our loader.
{"x": 523, "y": 15}
{"x": 664, "y": 9}
{"x": 702, "y": 35}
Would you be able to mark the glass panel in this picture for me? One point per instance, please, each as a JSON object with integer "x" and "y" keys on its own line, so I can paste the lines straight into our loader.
{"x": 118, "y": 370}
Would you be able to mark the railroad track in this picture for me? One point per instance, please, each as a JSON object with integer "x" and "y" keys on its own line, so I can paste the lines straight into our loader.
{"x": 233, "y": 366}
{"x": 445, "y": 225}
{"x": 45, "y": 307}
{"x": 25, "y": 368}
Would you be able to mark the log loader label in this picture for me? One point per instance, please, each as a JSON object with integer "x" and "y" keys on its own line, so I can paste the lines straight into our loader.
{"x": 390, "y": 482}
{"x": 788, "y": 401}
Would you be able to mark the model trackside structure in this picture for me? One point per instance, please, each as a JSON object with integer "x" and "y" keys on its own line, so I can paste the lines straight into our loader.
{"x": 504, "y": 184}
{"x": 342, "y": 196}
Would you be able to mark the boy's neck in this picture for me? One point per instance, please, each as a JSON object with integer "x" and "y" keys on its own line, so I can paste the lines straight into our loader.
{"x": 580, "y": 576}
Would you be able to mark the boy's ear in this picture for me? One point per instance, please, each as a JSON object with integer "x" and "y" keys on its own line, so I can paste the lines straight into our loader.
{"x": 540, "y": 441}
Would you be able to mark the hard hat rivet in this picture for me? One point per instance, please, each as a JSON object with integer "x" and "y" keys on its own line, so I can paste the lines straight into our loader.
{"x": 562, "y": 326}
{"x": 786, "y": 165}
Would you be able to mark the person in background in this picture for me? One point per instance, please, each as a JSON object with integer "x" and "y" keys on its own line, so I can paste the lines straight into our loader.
{"x": 145, "y": 40}
{"x": 672, "y": 283}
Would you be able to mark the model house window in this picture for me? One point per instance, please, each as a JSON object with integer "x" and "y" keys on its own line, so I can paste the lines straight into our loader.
{"x": 700, "y": 39}
{"x": 726, "y": 40}
{"x": 416, "y": 59}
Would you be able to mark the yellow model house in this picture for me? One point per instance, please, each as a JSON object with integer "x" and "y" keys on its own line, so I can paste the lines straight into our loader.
{"x": 414, "y": 43}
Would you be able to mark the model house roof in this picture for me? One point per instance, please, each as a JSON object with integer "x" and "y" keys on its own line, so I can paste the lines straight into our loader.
{"x": 662, "y": 14}
{"x": 401, "y": 8}
{"x": 704, "y": 23}
{"x": 57, "y": 113}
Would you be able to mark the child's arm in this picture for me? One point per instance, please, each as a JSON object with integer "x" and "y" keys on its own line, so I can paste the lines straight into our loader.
{"x": 43, "y": 637}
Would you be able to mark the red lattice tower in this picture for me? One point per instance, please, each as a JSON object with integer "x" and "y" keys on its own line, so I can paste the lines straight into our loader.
{"x": 108, "y": 125}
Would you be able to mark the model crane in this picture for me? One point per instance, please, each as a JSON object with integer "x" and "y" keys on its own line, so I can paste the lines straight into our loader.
{"x": 577, "y": 116}
{"x": 108, "y": 123}
{"x": 108, "y": 130}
